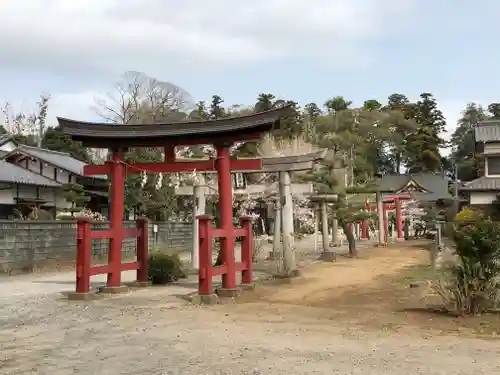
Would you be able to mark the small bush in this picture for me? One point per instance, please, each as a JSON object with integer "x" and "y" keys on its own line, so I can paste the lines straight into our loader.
{"x": 165, "y": 268}
{"x": 467, "y": 290}
{"x": 469, "y": 215}
{"x": 473, "y": 282}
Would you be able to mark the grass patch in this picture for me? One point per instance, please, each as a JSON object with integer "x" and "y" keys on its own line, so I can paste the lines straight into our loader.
{"x": 417, "y": 274}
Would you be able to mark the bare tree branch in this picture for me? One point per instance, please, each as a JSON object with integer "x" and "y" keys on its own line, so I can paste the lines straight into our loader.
{"x": 137, "y": 98}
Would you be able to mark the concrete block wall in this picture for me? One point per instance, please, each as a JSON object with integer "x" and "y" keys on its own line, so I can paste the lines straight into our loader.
{"x": 29, "y": 245}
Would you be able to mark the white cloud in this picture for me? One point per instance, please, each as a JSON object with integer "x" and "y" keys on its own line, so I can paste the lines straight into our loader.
{"x": 112, "y": 35}
{"x": 80, "y": 106}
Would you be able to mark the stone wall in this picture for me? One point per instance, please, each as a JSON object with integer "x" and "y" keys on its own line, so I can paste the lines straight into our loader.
{"x": 29, "y": 245}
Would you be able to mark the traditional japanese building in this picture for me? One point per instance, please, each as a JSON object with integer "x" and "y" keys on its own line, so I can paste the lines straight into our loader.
{"x": 33, "y": 176}
{"x": 428, "y": 187}
{"x": 485, "y": 189}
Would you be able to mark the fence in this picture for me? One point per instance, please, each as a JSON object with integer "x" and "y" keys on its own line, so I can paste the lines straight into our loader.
{"x": 29, "y": 245}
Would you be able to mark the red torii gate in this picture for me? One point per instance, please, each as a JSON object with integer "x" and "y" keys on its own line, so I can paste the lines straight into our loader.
{"x": 390, "y": 202}
{"x": 118, "y": 138}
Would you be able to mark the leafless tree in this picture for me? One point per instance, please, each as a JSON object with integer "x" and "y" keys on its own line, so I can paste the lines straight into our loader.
{"x": 27, "y": 124}
{"x": 138, "y": 98}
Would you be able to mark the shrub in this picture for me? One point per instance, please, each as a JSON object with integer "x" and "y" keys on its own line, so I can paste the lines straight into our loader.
{"x": 473, "y": 282}
{"x": 164, "y": 268}
{"x": 469, "y": 215}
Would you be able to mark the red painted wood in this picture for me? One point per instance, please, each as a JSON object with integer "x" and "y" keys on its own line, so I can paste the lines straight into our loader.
{"x": 226, "y": 215}
{"x": 175, "y": 166}
{"x": 205, "y": 286}
{"x": 219, "y": 270}
{"x": 99, "y": 270}
{"x": 101, "y": 234}
{"x": 399, "y": 219}
{"x": 116, "y": 226}
{"x": 83, "y": 255}
{"x": 130, "y": 266}
{"x": 240, "y": 232}
{"x": 246, "y": 251}
{"x": 131, "y": 232}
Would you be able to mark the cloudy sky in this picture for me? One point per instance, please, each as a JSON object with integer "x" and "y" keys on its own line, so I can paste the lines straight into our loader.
{"x": 303, "y": 50}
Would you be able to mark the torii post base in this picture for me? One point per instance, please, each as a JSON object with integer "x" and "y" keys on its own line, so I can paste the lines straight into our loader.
{"x": 328, "y": 256}
{"x": 228, "y": 293}
{"x": 114, "y": 289}
{"x": 89, "y": 296}
{"x": 204, "y": 299}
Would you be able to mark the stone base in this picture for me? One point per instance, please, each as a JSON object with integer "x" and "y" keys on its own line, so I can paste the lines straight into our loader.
{"x": 287, "y": 278}
{"x": 228, "y": 293}
{"x": 90, "y": 296}
{"x": 138, "y": 284}
{"x": 328, "y": 256}
{"x": 204, "y": 299}
{"x": 273, "y": 255}
{"x": 247, "y": 287}
{"x": 114, "y": 289}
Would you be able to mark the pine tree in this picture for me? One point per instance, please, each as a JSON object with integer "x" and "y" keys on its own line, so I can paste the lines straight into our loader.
{"x": 423, "y": 145}
{"x": 463, "y": 143}
{"x": 54, "y": 139}
{"x": 75, "y": 194}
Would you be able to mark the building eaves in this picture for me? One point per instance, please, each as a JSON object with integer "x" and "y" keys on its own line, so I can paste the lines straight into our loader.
{"x": 14, "y": 174}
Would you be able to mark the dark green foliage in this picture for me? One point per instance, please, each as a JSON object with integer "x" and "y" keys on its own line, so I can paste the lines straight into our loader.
{"x": 165, "y": 268}
{"x": 479, "y": 242}
{"x": 75, "y": 194}
{"x": 463, "y": 143}
{"x": 474, "y": 282}
{"x": 55, "y": 140}
{"x": 423, "y": 145}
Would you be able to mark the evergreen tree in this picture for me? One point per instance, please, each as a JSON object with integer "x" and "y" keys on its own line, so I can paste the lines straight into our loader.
{"x": 463, "y": 143}
{"x": 216, "y": 110}
{"x": 423, "y": 145}
{"x": 54, "y": 139}
{"x": 494, "y": 109}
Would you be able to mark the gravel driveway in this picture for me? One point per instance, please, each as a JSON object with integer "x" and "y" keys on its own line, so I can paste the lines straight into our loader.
{"x": 154, "y": 332}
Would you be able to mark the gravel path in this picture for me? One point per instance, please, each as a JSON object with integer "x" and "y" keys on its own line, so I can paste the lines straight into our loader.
{"x": 154, "y": 331}
{"x": 149, "y": 332}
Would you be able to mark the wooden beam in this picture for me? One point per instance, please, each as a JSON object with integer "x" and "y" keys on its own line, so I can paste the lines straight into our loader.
{"x": 174, "y": 167}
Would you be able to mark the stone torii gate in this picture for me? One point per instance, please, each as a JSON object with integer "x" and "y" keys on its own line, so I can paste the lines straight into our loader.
{"x": 118, "y": 138}
{"x": 283, "y": 166}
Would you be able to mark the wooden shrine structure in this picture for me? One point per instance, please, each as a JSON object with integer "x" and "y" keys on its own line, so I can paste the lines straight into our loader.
{"x": 394, "y": 190}
{"x": 283, "y": 188}
{"x": 118, "y": 138}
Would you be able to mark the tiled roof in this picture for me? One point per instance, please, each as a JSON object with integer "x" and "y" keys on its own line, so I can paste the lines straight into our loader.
{"x": 4, "y": 138}
{"x": 482, "y": 184}
{"x": 58, "y": 159}
{"x": 102, "y": 134}
{"x": 12, "y": 173}
{"x": 435, "y": 184}
{"x": 487, "y": 131}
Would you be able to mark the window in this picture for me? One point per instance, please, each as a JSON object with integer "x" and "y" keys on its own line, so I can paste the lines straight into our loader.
{"x": 493, "y": 165}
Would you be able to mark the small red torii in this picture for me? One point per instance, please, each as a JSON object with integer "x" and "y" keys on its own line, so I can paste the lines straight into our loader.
{"x": 221, "y": 133}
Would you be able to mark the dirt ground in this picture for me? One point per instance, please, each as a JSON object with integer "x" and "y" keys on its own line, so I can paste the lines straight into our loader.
{"x": 385, "y": 289}
{"x": 349, "y": 317}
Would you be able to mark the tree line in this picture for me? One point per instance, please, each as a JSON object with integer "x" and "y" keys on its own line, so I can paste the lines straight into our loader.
{"x": 395, "y": 136}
